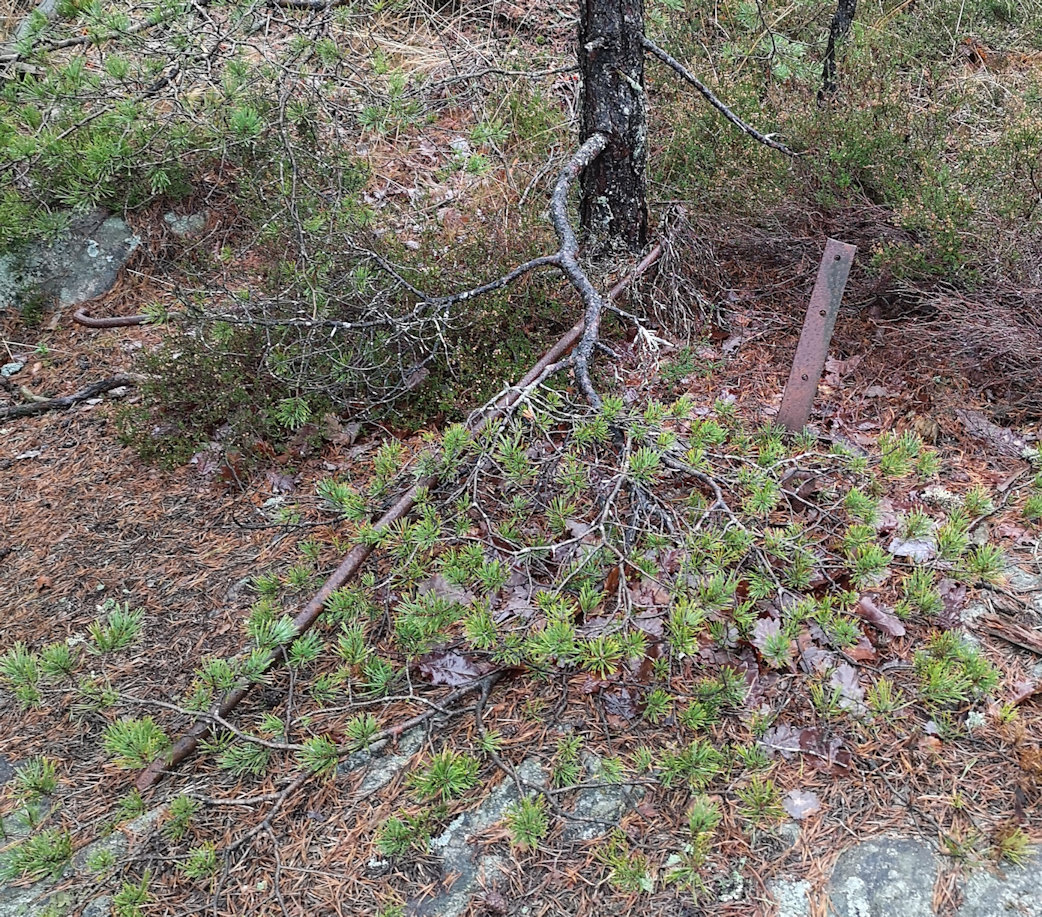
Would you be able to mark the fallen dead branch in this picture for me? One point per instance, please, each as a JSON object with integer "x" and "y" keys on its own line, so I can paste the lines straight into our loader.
{"x": 353, "y": 561}
{"x": 67, "y": 401}
{"x": 1013, "y": 634}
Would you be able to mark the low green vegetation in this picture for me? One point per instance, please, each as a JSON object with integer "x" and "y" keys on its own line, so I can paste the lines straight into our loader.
{"x": 648, "y": 567}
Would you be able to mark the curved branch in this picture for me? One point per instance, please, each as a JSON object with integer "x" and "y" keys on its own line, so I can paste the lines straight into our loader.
{"x": 712, "y": 99}
{"x": 500, "y": 282}
{"x": 569, "y": 263}
{"x": 82, "y": 317}
{"x": 73, "y": 41}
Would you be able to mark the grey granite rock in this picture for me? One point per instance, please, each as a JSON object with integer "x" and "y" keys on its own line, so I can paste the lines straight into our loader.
{"x": 792, "y": 896}
{"x": 1012, "y": 892}
{"x": 99, "y": 907}
{"x": 35, "y": 901}
{"x": 6, "y": 770}
{"x": 599, "y": 809}
{"x": 383, "y": 768}
{"x": 83, "y": 263}
{"x": 884, "y": 877}
{"x": 471, "y": 874}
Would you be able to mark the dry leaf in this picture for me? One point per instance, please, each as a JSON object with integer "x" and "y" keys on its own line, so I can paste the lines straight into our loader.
{"x": 445, "y": 667}
{"x": 801, "y": 803}
{"x": 851, "y": 694}
{"x": 919, "y": 550}
{"x": 867, "y": 609}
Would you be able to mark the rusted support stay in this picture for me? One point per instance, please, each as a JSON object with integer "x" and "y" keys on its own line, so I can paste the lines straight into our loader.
{"x": 813, "y": 347}
{"x": 352, "y": 563}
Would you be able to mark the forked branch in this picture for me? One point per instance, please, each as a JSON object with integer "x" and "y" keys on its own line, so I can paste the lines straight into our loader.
{"x": 565, "y": 259}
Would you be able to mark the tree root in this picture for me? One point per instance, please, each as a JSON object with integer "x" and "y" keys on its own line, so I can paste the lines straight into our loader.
{"x": 81, "y": 317}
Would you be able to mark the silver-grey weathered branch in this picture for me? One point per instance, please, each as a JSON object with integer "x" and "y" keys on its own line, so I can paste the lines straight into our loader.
{"x": 712, "y": 99}
{"x": 593, "y": 302}
{"x": 565, "y": 259}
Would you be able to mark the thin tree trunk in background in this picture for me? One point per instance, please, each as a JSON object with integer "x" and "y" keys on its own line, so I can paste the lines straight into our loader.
{"x": 613, "y": 211}
{"x": 841, "y": 22}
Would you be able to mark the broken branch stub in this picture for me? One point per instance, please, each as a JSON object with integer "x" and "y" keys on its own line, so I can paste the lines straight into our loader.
{"x": 813, "y": 347}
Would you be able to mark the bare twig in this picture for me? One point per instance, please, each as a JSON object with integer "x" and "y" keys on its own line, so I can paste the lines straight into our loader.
{"x": 712, "y": 99}
{"x": 86, "y": 38}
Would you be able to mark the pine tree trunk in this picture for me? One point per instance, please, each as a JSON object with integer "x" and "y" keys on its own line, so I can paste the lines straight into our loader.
{"x": 842, "y": 20}
{"x": 613, "y": 206}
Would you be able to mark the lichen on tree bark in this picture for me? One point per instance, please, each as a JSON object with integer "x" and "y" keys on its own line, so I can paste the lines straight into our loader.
{"x": 613, "y": 209}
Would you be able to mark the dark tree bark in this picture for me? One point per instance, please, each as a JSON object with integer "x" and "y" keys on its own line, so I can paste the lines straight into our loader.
{"x": 841, "y": 22}
{"x": 613, "y": 212}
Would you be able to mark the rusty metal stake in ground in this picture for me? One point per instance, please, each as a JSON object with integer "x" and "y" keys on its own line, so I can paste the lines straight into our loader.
{"x": 813, "y": 348}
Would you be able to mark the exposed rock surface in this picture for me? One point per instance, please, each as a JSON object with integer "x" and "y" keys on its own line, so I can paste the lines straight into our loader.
{"x": 1011, "y": 891}
{"x": 472, "y": 873}
{"x": 599, "y": 809}
{"x": 80, "y": 265}
{"x": 884, "y": 877}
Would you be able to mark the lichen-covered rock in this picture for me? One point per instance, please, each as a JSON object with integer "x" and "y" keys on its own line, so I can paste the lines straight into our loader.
{"x": 83, "y": 263}
{"x": 1015, "y": 890}
{"x": 472, "y": 873}
{"x": 884, "y": 877}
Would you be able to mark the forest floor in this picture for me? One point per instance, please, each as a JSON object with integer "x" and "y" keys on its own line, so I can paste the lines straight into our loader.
{"x": 580, "y": 680}
{"x": 85, "y": 521}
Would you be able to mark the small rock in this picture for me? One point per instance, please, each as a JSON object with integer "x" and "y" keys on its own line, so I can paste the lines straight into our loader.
{"x": 461, "y": 146}
{"x": 972, "y": 611}
{"x": 1021, "y": 581}
{"x": 458, "y": 855}
{"x": 185, "y": 224}
{"x": 383, "y": 769}
{"x": 941, "y": 496}
{"x": 9, "y": 369}
{"x": 791, "y": 896}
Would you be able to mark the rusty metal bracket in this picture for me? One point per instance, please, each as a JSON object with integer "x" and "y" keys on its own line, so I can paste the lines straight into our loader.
{"x": 813, "y": 347}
